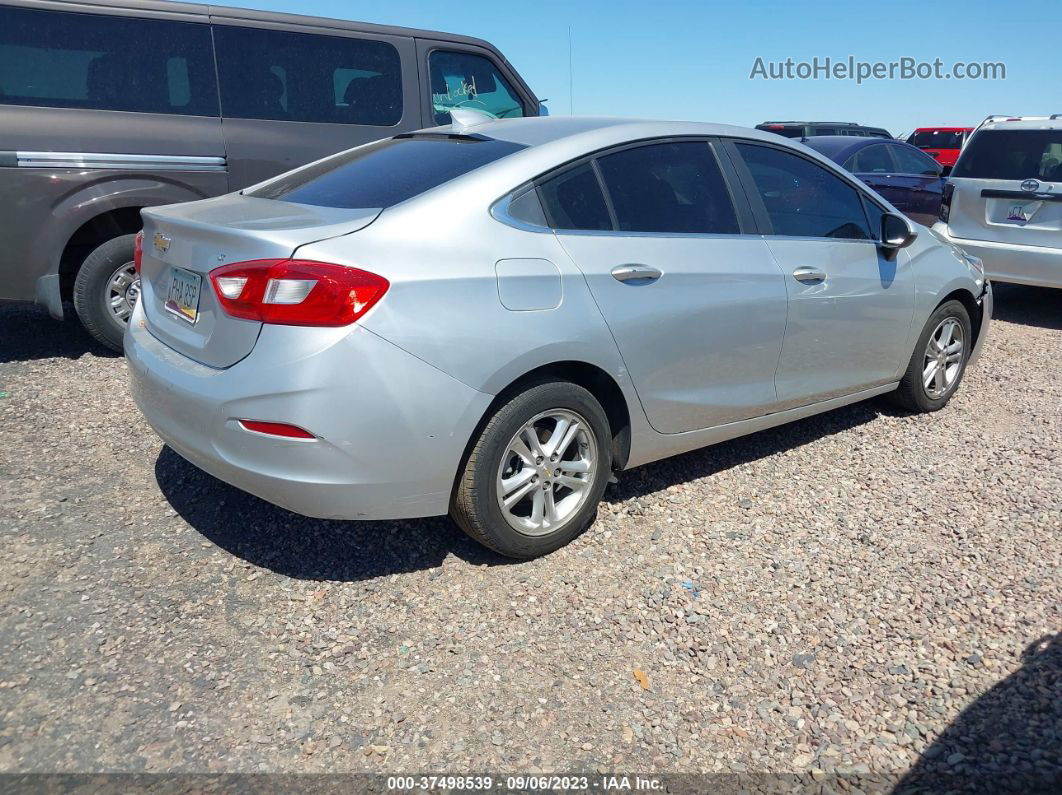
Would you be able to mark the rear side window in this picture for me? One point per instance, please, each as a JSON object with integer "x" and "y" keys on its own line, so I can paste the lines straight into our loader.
{"x": 668, "y": 187}
{"x": 466, "y": 80}
{"x": 1012, "y": 154}
{"x": 58, "y": 59}
{"x": 273, "y": 74}
{"x": 908, "y": 161}
{"x": 386, "y": 172}
{"x": 871, "y": 160}
{"x": 803, "y": 199}
{"x": 573, "y": 200}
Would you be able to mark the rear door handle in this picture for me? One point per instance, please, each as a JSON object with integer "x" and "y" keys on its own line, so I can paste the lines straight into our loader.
{"x": 635, "y": 273}
{"x": 809, "y": 275}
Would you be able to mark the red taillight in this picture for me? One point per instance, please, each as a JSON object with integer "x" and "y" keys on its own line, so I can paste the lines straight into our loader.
{"x": 277, "y": 429}
{"x": 294, "y": 292}
{"x": 138, "y": 251}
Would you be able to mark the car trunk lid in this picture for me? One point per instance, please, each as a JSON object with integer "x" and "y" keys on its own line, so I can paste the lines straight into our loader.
{"x": 184, "y": 242}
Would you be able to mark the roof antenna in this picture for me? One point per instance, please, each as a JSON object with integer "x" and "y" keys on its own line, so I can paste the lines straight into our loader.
{"x": 571, "y": 79}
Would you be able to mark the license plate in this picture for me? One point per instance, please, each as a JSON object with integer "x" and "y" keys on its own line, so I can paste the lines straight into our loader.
{"x": 182, "y": 297}
{"x": 1022, "y": 212}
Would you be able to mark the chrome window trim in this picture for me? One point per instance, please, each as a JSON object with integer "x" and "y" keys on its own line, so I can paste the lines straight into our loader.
{"x": 115, "y": 161}
{"x": 500, "y": 212}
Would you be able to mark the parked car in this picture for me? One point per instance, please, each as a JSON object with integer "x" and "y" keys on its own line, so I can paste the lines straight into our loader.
{"x": 903, "y": 174}
{"x": 808, "y": 129}
{"x": 1003, "y": 201}
{"x": 538, "y": 303}
{"x": 943, "y": 144}
{"x": 111, "y": 106}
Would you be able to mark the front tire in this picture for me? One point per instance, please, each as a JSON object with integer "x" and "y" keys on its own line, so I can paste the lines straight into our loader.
{"x": 106, "y": 290}
{"x": 535, "y": 475}
{"x": 939, "y": 360}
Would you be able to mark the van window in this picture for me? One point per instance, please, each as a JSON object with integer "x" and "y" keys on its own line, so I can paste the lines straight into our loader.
{"x": 465, "y": 80}
{"x": 668, "y": 187}
{"x": 803, "y": 199}
{"x": 1012, "y": 154}
{"x": 273, "y": 74}
{"x": 57, "y": 59}
{"x": 384, "y": 173}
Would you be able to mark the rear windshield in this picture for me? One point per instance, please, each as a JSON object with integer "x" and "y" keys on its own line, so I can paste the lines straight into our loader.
{"x": 781, "y": 129}
{"x": 937, "y": 139}
{"x": 1012, "y": 154}
{"x": 386, "y": 172}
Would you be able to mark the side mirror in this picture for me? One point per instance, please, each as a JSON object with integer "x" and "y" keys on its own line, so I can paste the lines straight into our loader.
{"x": 896, "y": 232}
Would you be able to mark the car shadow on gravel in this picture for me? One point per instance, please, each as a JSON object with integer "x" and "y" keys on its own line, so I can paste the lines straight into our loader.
{"x": 1029, "y": 306}
{"x": 304, "y": 548}
{"x": 28, "y": 332}
{"x": 708, "y": 461}
{"x": 1008, "y": 740}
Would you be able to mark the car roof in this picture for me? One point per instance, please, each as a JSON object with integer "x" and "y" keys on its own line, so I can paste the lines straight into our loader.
{"x": 538, "y": 130}
{"x": 845, "y": 123}
{"x": 840, "y": 147}
{"x": 943, "y": 129}
{"x": 1023, "y": 124}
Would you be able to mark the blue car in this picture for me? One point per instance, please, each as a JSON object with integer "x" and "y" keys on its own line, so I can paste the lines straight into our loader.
{"x": 905, "y": 175}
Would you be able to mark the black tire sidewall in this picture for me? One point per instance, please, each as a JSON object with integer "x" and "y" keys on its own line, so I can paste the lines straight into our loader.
{"x": 513, "y": 415}
{"x": 91, "y": 283}
{"x": 948, "y": 309}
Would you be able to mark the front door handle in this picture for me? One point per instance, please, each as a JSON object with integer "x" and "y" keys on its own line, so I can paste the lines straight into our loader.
{"x": 809, "y": 275}
{"x": 635, "y": 273}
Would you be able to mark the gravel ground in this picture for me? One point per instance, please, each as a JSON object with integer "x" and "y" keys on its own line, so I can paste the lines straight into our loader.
{"x": 864, "y": 590}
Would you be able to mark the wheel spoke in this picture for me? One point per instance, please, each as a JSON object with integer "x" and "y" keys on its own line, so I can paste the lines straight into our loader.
{"x": 550, "y": 507}
{"x": 512, "y": 483}
{"x": 530, "y": 437}
{"x": 570, "y": 431}
{"x": 517, "y": 495}
{"x": 538, "y": 504}
{"x": 575, "y": 484}
{"x": 941, "y": 379}
{"x": 578, "y": 466}
{"x": 954, "y": 357}
{"x": 930, "y": 373}
{"x": 521, "y": 450}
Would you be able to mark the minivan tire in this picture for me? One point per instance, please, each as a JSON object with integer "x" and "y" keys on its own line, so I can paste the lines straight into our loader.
{"x": 92, "y": 290}
{"x": 476, "y": 505}
{"x": 912, "y": 393}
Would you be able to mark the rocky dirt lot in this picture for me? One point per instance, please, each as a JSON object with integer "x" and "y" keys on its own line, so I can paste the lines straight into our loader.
{"x": 865, "y": 590}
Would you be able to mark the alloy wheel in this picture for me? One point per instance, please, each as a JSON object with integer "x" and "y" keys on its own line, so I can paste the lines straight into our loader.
{"x": 943, "y": 358}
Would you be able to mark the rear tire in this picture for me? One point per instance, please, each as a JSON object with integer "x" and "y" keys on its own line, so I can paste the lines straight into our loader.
{"x": 106, "y": 290}
{"x": 938, "y": 362}
{"x": 518, "y": 493}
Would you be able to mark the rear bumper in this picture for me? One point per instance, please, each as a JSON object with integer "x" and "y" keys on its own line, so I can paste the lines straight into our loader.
{"x": 1039, "y": 266}
{"x": 391, "y": 429}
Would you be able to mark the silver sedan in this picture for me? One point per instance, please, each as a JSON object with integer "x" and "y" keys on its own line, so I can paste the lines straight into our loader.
{"x": 490, "y": 319}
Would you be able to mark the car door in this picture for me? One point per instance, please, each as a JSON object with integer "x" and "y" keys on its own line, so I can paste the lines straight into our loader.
{"x": 292, "y": 96}
{"x": 696, "y": 307}
{"x": 918, "y": 178}
{"x": 850, "y": 305}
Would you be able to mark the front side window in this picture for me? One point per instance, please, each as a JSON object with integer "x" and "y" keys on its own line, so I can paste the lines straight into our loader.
{"x": 573, "y": 200}
{"x": 668, "y": 187}
{"x": 871, "y": 160}
{"x": 57, "y": 59}
{"x": 384, "y": 173}
{"x": 466, "y": 80}
{"x": 803, "y": 199}
{"x": 1012, "y": 154}
{"x": 274, "y": 74}
{"x": 911, "y": 162}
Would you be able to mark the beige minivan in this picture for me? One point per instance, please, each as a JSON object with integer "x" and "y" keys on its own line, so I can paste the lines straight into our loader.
{"x": 108, "y": 107}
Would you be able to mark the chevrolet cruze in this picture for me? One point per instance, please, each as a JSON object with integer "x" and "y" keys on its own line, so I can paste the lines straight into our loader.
{"x": 489, "y": 319}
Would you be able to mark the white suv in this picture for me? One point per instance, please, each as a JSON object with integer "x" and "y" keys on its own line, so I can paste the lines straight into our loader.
{"x": 1003, "y": 201}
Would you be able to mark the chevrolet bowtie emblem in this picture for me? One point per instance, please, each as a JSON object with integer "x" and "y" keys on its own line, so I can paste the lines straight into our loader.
{"x": 162, "y": 243}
